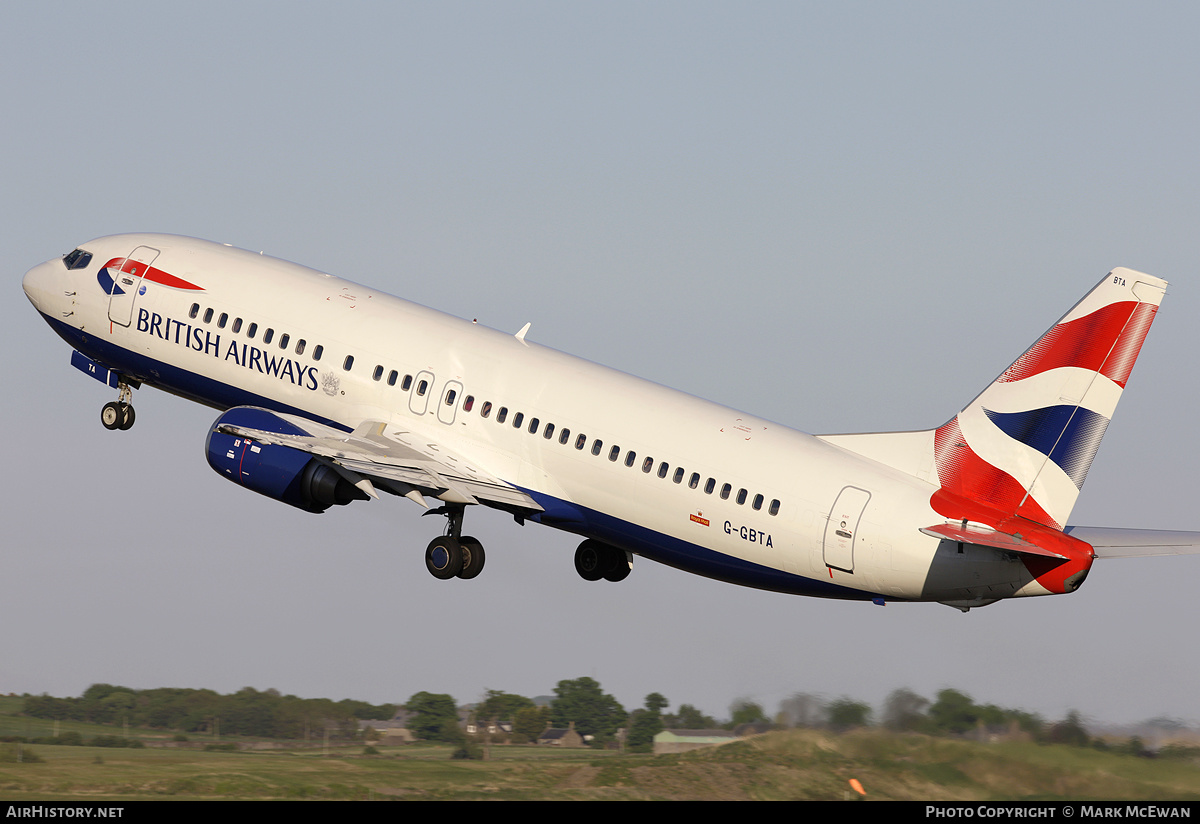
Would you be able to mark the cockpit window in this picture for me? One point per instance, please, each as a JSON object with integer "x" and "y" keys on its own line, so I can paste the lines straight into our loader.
{"x": 78, "y": 259}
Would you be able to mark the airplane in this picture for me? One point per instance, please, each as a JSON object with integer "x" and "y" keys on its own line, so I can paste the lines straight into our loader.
{"x": 331, "y": 392}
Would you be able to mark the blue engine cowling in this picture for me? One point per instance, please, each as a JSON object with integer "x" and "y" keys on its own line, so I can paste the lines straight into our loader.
{"x": 280, "y": 472}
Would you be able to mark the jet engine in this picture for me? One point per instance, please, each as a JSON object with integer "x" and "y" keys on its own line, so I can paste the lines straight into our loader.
{"x": 286, "y": 474}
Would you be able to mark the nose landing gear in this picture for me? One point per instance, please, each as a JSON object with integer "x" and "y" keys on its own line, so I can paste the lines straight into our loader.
{"x": 119, "y": 414}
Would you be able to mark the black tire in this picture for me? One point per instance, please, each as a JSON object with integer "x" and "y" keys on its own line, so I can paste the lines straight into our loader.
{"x": 127, "y": 416}
{"x": 473, "y": 557}
{"x": 620, "y": 568}
{"x": 111, "y": 415}
{"x": 592, "y": 560}
{"x": 444, "y": 558}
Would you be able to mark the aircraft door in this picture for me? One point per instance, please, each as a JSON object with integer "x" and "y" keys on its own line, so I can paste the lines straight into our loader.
{"x": 127, "y": 283}
{"x": 842, "y": 527}
{"x": 448, "y": 407}
{"x": 418, "y": 400}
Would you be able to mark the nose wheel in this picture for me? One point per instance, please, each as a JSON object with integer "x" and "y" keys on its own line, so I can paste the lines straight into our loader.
{"x": 119, "y": 414}
{"x": 116, "y": 415}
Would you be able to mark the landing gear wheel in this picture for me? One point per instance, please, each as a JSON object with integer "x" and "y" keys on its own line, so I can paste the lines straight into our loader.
{"x": 620, "y": 568}
{"x": 111, "y": 415}
{"x": 444, "y": 558}
{"x": 591, "y": 560}
{"x": 127, "y": 416}
{"x": 473, "y": 557}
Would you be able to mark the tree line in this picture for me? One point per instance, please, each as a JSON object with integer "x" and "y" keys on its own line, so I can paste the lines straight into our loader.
{"x": 596, "y": 715}
{"x": 265, "y": 714}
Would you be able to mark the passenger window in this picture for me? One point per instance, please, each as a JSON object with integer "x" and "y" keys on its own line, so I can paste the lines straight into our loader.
{"x": 710, "y": 485}
{"x": 774, "y": 510}
{"x": 647, "y": 465}
{"x": 195, "y": 310}
{"x": 534, "y": 423}
{"x": 518, "y": 419}
{"x": 237, "y": 325}
{"x": 486, "y": 410}
{"x": 283, "y": 341}
{"x": 741, "y": 498}
{"x": 451, "y": 396}
{"x": 663, "y": 468}
{"x": 422, "y": 388}
{"x": 346, "y": 364}
{"x": 549, "y": 433}
{"x": 407, "y": 383}
{"x": 267, "y": 335}
{"x": 378, "y": 373}
{"x": 469, "y": 403}
{"x": 221, "y": 321}
{"x": 300, "y": 346}
{"x": 564, "y": 436}
{"x": 392, "y": 377}
{"x": 758, "y": 499}
{"x": 502, "y": 414}
{"x": 630, "y": 457}
{"x": 208, "y": 313}
{"x": 581, "y": 442}
{"x": 614, "y": 453}
{"x": 694, "y": 481}
{"x": 320, "y": 350}
{"x": 597, "y": 446}
{"x": 678, "y": 474}
{"x": 251, "y": 330}
{"x": 725, "y": 490}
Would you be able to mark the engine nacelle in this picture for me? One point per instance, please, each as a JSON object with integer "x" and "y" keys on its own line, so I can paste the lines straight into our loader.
{"x": 280, "y": 472}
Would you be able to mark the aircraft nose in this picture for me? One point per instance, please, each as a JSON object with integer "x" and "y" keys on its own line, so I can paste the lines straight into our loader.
{"x": 41, "y": 282}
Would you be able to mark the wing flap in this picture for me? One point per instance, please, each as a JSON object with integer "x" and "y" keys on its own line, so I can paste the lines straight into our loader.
{"x": 382, "y": 451}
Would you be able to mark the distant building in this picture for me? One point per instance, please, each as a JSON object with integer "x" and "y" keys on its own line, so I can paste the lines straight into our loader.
{"x": 670, "y": 741}
{"x": 390, "y": 732}
{"x": 558, "y": 737}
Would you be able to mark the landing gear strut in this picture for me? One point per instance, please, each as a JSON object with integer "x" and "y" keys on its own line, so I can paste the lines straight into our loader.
{"x": 453, "y": 555}
{"x": 594, "y": 560}
{"x": 119, "y": 414}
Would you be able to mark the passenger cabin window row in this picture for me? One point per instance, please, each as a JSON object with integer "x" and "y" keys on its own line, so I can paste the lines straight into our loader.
{"x": 285, "y": 340}
{"x": 580, "y": 441}
{"x": 613, "y": 454}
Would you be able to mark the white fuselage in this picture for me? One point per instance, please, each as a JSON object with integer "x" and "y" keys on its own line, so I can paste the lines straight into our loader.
{"x": 776, "y": 528}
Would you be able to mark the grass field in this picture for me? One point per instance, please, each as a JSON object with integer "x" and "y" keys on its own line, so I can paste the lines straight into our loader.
{"x": 800, "y": 764}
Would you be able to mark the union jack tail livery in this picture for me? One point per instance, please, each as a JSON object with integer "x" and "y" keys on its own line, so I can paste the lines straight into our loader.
{"x": 1025, "y": 445}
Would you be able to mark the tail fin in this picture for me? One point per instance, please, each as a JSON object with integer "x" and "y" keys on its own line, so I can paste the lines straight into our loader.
{"x": 1024, "y": 446}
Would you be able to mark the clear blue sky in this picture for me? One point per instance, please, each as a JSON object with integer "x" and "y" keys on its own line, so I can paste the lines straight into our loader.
{"x": 840, "y": 216}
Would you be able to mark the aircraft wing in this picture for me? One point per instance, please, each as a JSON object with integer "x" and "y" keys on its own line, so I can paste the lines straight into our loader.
{"x": 1111, "y": 542}
{"x": 397, "y": 459}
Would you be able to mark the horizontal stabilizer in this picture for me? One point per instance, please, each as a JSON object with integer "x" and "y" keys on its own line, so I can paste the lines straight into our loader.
{"x": 983, "y": 536}
{"x": 1110, "y": 542}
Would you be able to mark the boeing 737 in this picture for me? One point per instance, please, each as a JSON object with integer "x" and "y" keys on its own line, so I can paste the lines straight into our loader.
{"x": 330, "y": 392}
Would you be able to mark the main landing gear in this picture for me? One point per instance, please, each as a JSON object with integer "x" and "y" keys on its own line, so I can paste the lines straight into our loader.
{"x": 119, "y": 414}
{"x": 453, "y": 555}
{"x": 594, "y": 560}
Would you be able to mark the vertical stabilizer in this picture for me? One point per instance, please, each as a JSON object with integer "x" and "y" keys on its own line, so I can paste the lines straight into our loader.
{"x": 1024, "y": 446}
